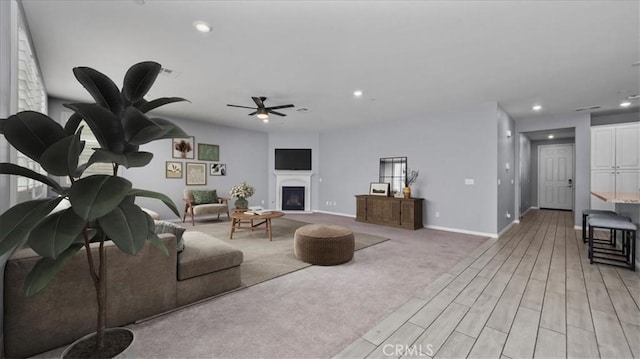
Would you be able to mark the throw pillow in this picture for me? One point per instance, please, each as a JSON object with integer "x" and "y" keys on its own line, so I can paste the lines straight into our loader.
{"x": 205, "y": 196}
{"x": 176, "y": 230}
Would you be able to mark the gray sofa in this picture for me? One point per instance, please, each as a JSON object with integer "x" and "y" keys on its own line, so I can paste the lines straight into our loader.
{"x": 137, "y": 287}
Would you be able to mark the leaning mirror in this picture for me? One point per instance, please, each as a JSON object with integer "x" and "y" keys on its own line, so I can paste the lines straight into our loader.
{"x": 393, "y": 171}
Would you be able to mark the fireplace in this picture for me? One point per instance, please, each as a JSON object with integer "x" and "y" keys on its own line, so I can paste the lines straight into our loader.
{"x": 293, "y": 198}
{"x": 295, "y": 180}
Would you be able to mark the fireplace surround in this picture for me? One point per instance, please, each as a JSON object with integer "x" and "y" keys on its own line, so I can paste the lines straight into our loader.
{"x": 295, "y": 179}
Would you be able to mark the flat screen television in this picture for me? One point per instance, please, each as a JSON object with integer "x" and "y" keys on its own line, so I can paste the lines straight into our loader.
{"x": 293, "y": 159}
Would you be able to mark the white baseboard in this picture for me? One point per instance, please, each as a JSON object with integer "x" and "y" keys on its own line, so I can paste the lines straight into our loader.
{"x": 464, "y": 231}
{"x": 335, "y": 213}
{"x": 507, "y": 227}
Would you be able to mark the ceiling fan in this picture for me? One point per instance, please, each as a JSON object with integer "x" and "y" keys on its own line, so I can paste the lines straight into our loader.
{"x": 261, "y": 111}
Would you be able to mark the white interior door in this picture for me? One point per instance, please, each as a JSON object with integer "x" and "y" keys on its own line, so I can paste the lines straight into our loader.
{"x": 555, "y": 176}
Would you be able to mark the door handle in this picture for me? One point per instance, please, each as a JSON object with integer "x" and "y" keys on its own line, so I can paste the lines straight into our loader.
{"x": 570, "y": 183}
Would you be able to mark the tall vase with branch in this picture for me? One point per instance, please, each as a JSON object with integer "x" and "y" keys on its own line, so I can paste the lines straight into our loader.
{"x": 410, "y": 178}
{"x": 102, "y": 207}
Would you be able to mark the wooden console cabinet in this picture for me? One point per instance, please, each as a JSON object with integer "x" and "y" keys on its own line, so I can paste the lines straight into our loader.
{"x": 390, "y": 211}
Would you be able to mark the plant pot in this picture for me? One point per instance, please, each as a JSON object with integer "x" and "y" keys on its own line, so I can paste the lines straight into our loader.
{"x": 241, "y": 203}
{"x": 118, "y": 344}
{"x": 407, "y": 192}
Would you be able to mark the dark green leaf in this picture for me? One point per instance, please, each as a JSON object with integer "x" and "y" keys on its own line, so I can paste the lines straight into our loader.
{"x": 46, "y": 269}
{"x": 174, "y": 130}
{"x": 105, "y": 125}
{"x": 12, "y": 169}
{"x": 20, "y": 219}
{"x": 72, "y": 124}
{"x": 94, "y": 196}
{"x": 134, "y": 159}
{"x": 150, "y": 194}
{"x": 139, "y": 129}
{"x": 103, "y": 90}
{"x": 126, "y": 226}
{"x": 56, "y": 233}
{"x": 61, "y": 158}
{"x": 146, "y": 106}
{"x": 80, "y": 170}
{"x": 139, "y": 79}
{"x": 32, "y": 133}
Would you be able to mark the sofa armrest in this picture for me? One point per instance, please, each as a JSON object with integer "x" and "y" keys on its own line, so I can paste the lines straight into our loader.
{"x": 223, "y": 200}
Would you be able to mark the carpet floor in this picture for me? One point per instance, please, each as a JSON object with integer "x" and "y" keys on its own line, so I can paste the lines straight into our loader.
{"x": 264, "y": 259}
{"x": 310, "y": 313}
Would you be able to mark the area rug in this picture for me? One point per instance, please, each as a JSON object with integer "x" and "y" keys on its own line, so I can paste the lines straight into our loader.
{"x": 264, "y": 259}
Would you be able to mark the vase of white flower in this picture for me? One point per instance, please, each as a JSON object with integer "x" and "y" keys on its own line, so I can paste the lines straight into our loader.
{"x": 242, "y": 191}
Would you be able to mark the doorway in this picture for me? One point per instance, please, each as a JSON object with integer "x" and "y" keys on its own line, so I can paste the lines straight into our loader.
{"x": 556, "y": 176}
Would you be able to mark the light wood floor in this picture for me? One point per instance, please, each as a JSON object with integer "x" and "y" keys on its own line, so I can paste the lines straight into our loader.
{"x": 530, "y": 293}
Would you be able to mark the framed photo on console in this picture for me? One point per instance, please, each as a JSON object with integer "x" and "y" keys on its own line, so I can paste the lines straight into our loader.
{"x": 379, "y": 189}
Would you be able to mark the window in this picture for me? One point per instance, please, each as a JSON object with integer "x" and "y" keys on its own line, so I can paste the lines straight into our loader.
{"x": 31, "y": 96}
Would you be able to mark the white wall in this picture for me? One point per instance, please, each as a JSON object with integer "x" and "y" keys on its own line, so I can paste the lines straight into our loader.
{"x": 506, "y": 177}
{"x": 445, "y": 148}
{"x": 524, "y": 174}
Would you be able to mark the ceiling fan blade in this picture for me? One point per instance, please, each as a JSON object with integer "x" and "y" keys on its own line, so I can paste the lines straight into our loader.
{"x": 252, "y": 108}
{"x": 281, "y": 106}
{"x": 258, "y": 101}
{"x": 276, "y": 113}
{"x": 253, "y": 113}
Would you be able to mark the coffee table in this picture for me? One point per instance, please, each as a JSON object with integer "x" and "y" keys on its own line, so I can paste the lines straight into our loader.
{"x": 240, "y": 218}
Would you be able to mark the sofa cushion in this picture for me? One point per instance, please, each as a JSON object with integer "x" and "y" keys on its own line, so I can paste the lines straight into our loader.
{"x": 211, "y": 208}
{"x": 172, "y": 228}
{"x": 204, "y": 196}
{"x": 204, "y": 254}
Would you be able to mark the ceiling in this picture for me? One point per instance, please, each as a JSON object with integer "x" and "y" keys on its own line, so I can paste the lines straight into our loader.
{"x": 411, "y": 59}
{"x": 558, "y": 133}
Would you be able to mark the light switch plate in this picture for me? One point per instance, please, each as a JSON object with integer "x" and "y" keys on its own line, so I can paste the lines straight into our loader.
{"x": 469, "y": 181}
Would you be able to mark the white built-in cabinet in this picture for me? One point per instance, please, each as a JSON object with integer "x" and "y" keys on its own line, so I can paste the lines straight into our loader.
{"x": 615, "y": 161}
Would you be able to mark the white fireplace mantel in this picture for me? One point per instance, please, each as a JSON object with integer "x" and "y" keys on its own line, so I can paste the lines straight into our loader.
{"x": 294, "y": 178}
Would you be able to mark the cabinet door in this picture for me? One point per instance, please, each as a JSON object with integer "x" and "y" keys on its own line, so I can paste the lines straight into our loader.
{"x": 628, "y": 181}
{"x": 361, "y": 208}
{"x": 602, "y": 181}
{"x": 603, "y": 148}
{"x": 628, "y": 147}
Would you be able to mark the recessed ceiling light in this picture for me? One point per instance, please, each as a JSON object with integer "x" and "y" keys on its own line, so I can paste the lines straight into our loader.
{"x": 537, "y": 108}
{"x": 625, "y": 104}
{"x": 202, "y": 26}
{"x": 357, "y": 93}
{"x": 550, "y": 136}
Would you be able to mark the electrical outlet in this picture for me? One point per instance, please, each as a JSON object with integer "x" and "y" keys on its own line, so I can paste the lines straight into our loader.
{"x": 262, "y": 202}
{"x": 508, "y": 215}
{"x": 328, "y": 203}
{"x": 469, "y": 181}
{"x": 437, "y": 214}
{"x": 334, "y": 203}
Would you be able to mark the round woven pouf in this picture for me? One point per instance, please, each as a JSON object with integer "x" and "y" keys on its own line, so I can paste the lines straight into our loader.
{"x": 324, "y": 244}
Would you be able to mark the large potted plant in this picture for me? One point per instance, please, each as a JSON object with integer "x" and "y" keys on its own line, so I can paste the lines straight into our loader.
{"x": 102, "y": 207}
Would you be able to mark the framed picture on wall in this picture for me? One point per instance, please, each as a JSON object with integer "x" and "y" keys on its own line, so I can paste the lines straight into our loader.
{"x": 173, "y": 169}
{"x": 218, "y": 169}
{"x": 379, "y": 189}
{"x": 208, "y": 152}
{"x": 196, "y": 174}
{"x": 183, "y": 147}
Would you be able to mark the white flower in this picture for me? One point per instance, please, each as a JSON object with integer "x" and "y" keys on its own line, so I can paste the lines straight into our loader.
{"x": 243, "y": 190}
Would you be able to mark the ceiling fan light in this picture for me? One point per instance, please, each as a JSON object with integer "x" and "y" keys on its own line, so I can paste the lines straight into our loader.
{"x": 265, "y": 120}
{"x": 262, "y": 114}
